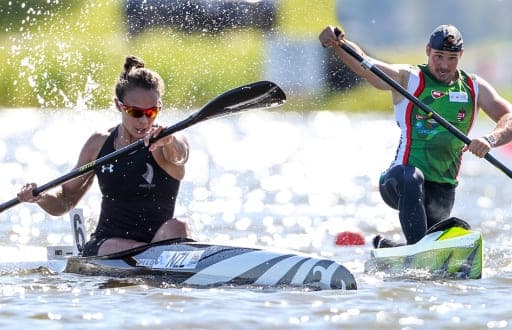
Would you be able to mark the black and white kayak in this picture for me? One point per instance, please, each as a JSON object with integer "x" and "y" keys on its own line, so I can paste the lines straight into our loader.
{"x": 449, "y": 250}
{"x": 197, "y": 264}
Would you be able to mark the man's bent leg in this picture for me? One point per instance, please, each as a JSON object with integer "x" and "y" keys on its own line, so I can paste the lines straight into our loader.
{"x": 402, "y": 188}
{"x": 439, "y": 201}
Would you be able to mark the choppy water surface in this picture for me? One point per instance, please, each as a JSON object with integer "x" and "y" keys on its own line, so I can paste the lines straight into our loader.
{"x": 267, "y": 178}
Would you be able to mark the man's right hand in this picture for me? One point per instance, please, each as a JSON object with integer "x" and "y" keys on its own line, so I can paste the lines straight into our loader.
{"x": 331, "y": 37}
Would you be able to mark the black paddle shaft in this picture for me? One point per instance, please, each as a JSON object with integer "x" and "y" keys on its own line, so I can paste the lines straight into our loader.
{"x": 430, "y": 113}
{"x": 258, "y": 95}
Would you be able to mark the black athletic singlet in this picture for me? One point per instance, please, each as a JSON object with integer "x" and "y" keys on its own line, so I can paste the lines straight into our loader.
{"x": 138, "y": 195}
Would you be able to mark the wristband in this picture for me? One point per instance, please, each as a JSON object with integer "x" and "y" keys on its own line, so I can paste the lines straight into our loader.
{"x": 491, "y": 139}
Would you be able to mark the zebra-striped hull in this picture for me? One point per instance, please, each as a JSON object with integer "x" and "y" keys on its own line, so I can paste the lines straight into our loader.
{"x": 205, "y": 265}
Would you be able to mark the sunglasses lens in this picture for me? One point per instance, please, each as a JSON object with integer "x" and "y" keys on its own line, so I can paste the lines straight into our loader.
{"x": 137, "y": 113}
{"x": 151, "y": 113}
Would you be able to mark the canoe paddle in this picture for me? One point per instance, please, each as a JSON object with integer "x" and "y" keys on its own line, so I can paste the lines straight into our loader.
{"x": 258, "y": 95}
{"x": 368, "y": 65}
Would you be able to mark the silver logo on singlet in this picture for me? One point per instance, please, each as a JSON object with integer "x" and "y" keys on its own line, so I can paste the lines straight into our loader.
{"x": 148, "y": 176}
{"x": 109, "y": 168}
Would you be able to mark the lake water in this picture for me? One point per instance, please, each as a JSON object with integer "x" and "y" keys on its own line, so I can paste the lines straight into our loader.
{"x": 265, "y": 178}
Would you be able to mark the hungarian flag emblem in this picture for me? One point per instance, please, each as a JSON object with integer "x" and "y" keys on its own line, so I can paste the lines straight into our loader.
{"x": 461, "y": 115}
{"x": 437, "y": 94}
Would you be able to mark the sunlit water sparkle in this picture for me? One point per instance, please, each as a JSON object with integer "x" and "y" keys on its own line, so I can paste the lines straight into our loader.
{"x": 267, "y": 178}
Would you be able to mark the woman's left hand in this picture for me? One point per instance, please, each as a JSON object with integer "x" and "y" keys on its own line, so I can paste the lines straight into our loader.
{"x": 175, "y": 147}
{"x": 153, "y": 133}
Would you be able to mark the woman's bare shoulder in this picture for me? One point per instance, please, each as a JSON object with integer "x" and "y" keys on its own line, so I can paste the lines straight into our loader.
{"x": 93, "y": 145}
{"x": 99, "y": 137}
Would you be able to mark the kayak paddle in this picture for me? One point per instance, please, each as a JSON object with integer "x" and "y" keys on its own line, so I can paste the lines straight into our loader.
{"x": 368, "y": 65}
{"x": 258, "y": 95}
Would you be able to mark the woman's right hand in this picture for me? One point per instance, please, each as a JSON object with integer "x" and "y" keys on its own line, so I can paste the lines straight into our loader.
{"x": 26, "y": 194}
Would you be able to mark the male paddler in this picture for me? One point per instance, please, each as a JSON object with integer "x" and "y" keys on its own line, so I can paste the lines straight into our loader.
{"x": 421, "y": 181}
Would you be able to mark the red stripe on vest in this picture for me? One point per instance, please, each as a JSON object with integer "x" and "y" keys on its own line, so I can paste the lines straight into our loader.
{"x": 473, "y": 113}
{"x": 408, "y": 114}
{"x": 475, "y": 106}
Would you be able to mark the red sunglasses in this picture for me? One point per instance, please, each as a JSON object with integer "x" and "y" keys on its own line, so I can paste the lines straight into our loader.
{"x": 136, "y": 112}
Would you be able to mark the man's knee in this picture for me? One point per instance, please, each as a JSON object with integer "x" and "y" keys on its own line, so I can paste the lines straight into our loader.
{"x": 412, "y": 176}
{"x": 401, "y": 176}
{"x": 400, "y": 180}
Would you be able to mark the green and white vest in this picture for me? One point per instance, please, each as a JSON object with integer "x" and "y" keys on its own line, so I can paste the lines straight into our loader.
{"x": 424, "y": 143}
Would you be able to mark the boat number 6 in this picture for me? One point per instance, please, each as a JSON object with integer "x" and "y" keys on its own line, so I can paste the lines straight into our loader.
{"x": 78, "y": 231}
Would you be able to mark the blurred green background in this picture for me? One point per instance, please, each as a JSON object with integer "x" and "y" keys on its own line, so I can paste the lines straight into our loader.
{"x": 66, "y": 54}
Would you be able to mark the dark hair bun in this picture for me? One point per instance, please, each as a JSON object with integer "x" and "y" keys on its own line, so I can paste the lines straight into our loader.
{"x": 133, "y": 62}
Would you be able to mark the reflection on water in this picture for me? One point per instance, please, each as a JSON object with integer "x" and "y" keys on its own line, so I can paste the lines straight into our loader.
{"x": 275, "y": 179}
{"x": 296, "y": 177}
